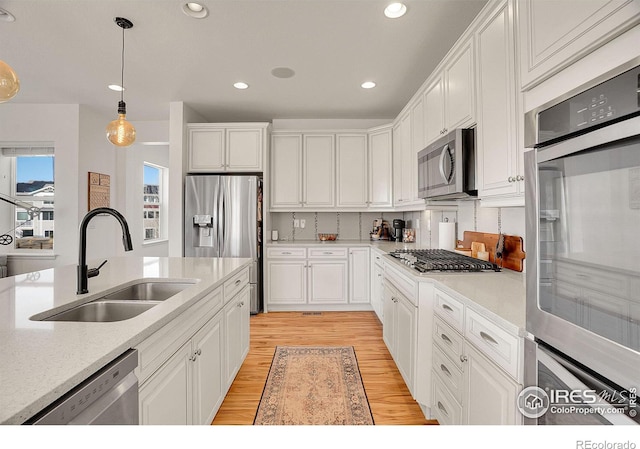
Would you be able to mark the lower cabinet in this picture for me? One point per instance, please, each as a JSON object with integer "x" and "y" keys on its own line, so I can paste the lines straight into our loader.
{"x": 190, "y": 384}
{"x": 377, "y": 284}
{"x": 474, "y": 369}
{"x": 399, "y": 332}
{"x": 490, "y": 394}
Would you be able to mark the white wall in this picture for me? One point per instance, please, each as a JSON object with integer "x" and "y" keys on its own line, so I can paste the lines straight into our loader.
{"x": 59, "y": 124}
{"x": 179, "y": 115}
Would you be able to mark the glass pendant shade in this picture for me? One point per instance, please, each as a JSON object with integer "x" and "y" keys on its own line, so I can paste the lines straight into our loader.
{"x": 9, "y": 82}
{"x": 120, "y": 132}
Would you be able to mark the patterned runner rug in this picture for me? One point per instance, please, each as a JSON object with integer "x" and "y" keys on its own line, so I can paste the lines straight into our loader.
{"x": 314, "y": 385}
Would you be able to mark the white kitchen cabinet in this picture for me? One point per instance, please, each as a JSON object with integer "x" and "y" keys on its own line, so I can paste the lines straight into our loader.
{"x": 317, "y": 277}
{"x": 377, "y": 282}
{"x": 186, "y": 367}
{"x": 554, "y": 35}
{"x": 209, "y": 387}
{"x": 189, "y": 387}
{"x": 359, "y": 272}
{"x": 499, "y": 153}
{"x": 236, "y": 324}
{"x": 380, "y": 164}
{"x": 449, "y": 100}
{"x": 399, "y": 331}
{"x": 434, "y": 110}
{"x": 318, "y": 174}
{"x": 287, "y": 282}
{"x": 327, "y": 282}
{"x": 286, "y": 171}
{"x": 226, "y": 147}
{"x": 491, "y": 395}
{"x": 167, "y": 397}
{"x": 302, "y": 171}
{"x": 405, "y": 172}
{"x": 352, "y": 170}
{"x": 418, "y": 125}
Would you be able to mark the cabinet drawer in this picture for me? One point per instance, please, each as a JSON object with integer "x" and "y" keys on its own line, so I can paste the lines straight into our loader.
{"x": 161, "y": 345}
{"x": 290, "y": 253}
{"x": 235, "y": 284}
{"x": 377, "y": 257}
{"x": 403, "y": 283}
{"x": 445, "y": 408}
{"x": 494, "y": 342}
{"x": 448, "y": 340}
{"x": 603, "y": 281}
{"x": 450, "y": 309}
{"x": 327, "y": 253}
{"x": 448, "y": 373}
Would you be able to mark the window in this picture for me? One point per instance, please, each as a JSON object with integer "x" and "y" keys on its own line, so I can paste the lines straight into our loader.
{"x": 32, "y": 188}
{"x": 152, "y": 201}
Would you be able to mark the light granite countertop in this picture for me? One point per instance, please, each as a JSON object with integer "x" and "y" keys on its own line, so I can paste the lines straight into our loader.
{"x": 42, "y": 360}
{"x": 500, "y": 296}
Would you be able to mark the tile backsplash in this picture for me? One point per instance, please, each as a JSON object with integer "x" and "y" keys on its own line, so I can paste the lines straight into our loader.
{"x": 468, "y": 215}
{"x": 348, "y": 225}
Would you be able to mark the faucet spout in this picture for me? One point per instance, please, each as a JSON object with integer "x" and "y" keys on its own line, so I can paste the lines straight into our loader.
{"x": 83, "y": 271}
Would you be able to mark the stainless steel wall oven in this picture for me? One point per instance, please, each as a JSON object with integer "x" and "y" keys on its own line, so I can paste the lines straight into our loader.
{"x": 583, "y": 252}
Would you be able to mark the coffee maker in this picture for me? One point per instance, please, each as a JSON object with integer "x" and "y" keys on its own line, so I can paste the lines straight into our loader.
{"x": 398, "y": 226}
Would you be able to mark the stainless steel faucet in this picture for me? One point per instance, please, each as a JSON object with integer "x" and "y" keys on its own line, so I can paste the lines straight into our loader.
{"x": 83, "y": 272}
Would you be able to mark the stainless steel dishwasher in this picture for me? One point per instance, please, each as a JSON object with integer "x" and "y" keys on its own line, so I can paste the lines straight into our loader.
{"x": 110, "y": 396}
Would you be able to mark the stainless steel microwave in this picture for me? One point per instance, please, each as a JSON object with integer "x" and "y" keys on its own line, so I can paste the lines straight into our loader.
{"x": 447, "y": 167}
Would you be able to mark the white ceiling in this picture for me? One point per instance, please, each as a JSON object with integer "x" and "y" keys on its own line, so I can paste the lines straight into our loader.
{"x": 68, "y": 51}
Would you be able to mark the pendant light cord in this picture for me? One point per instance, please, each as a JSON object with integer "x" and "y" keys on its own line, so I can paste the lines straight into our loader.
{"x": 122, "y": 69}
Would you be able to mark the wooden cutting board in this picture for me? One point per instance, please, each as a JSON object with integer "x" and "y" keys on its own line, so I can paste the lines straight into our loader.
{"x": 513, "y": 256}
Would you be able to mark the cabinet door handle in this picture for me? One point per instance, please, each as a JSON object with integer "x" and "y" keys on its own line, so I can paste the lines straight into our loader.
{"x": 238, "y": 281}
{"x": 442, "y": 408}
{"x": 199, "y": 351}
{"x": 446, "y": 338}
{"x": 445, "y": 370}
{"x": 329, "y": 253}
{"x": 583, "y": 276}
{"x": 288, "y": 253}
{"x": 463, "y": 358}
{"x": 511, "y": 179}
{"x": 447, "y": 307}
{"x": 488, "y": 338}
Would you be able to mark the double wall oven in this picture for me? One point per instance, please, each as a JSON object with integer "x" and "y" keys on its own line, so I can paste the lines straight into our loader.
{"x": 582, "y": 360}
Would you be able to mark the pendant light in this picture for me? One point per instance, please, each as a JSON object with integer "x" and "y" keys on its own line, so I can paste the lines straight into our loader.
{"x": 120, "y": 132}
{"x": 9, "y": 82}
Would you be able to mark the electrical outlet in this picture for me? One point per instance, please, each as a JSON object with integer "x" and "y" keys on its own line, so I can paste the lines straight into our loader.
{"x": 296, "y": 223}
{"x": 303, "y": 223}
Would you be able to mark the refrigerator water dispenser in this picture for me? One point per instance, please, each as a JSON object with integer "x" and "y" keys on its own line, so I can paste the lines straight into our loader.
{"x": 205, "y": 228}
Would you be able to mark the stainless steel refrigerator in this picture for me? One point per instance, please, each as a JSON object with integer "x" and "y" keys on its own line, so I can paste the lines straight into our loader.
{"x": 223, "y": 218}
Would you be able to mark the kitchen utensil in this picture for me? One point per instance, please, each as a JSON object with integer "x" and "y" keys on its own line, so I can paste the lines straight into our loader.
{"x": 476, "y": 247}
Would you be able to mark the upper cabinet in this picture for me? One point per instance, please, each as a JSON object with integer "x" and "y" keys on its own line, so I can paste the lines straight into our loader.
{"x": 405, "y": 164}
{"x": 226, "y": 147}
{"x": 302, "y": 171}
{"x": 498, "y": 149}
{"x": 347, "y": 171}
{"x": 449, "y": 100}
{"x": 554, "y": 35}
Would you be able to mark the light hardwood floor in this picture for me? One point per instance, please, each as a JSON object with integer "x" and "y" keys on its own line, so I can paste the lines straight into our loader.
{"x": 389, "y": 398}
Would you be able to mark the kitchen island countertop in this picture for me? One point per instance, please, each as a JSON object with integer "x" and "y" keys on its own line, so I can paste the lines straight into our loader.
{"x": 42, "y": 360}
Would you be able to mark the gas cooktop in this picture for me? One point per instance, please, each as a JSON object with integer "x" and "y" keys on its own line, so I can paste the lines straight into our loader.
{"x": 440, "y": 260}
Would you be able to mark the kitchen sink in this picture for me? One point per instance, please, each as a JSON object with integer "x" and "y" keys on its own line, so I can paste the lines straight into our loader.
{"x": 148, "y": 291}
{"x": 104, "y": 311}
{"x": 122, "y": 304}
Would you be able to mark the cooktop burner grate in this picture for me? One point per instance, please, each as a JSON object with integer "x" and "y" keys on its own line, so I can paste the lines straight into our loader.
{"x": 427, "y": 260}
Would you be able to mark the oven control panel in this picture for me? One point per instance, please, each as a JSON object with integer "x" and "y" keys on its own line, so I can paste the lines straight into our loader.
{"x": 613, "y": 99}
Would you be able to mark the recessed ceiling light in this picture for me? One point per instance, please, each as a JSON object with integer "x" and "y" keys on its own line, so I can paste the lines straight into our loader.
{"x": 368, "y": 85}
{"x": 6, "y": 16}
{"x": 195, "y": 10}
{"x": 116, "y": 87}
{"x": 395, "y": 10}
{"x": 240, "y": 85}
{"x": 283, "y": 72}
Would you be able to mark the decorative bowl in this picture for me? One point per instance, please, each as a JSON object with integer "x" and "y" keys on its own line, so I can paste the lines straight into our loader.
{"x": 327, "y": 237}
